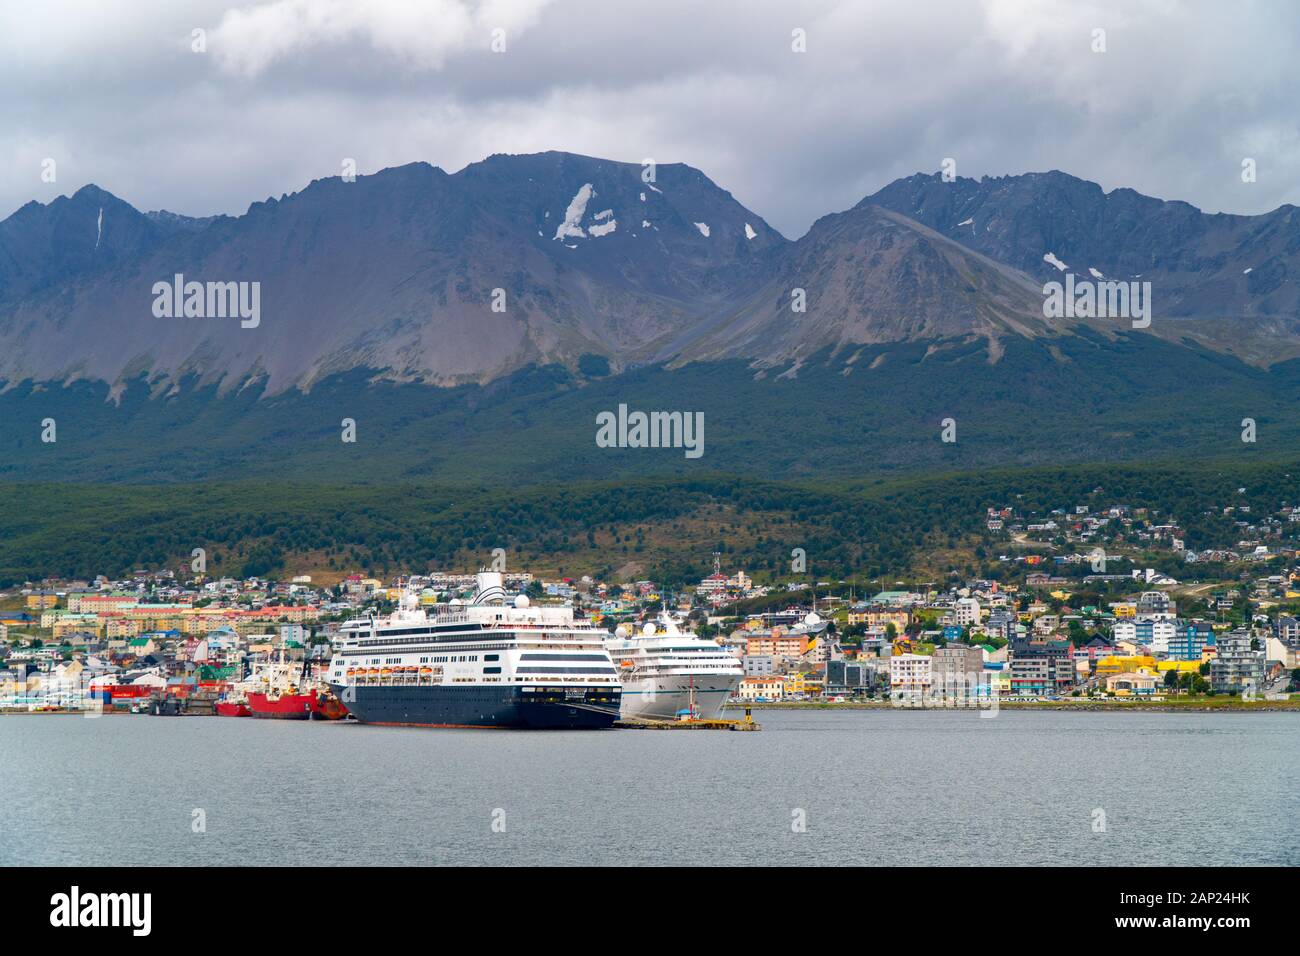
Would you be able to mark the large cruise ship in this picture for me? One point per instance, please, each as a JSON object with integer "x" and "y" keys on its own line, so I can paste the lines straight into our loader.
{"x": 669, "y": 674}
{"x": 482, "y": 664}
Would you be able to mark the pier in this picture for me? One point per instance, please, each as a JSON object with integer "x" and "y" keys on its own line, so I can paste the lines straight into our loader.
{"x": 641, "y": 723}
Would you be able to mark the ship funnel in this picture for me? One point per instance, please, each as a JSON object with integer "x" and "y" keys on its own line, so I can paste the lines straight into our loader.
{"x": 489, "y": 588}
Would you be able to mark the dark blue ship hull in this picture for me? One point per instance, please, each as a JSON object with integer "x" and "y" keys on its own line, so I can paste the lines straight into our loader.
{"x": 479, "y": 705}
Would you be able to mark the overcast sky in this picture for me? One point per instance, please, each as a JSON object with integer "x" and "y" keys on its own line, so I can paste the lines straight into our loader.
{"x": 114, "y": 93}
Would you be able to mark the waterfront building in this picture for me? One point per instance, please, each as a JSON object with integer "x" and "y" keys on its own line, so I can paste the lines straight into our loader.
{"x": 1131, "y": 684}
{"x": 1121, "y": 663}
{"x": 1041, "y": 668}
{"x": 769, "y": 687}
{"x": 844, "y": 678}
{"x": 1236, "y": 667}
{"x": 1190, "y": 640}
{"x": 910, "y": 675}
{"x": 954, "y": 660}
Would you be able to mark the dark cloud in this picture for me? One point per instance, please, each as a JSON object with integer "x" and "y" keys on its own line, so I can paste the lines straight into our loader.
{"x": 288, "y": 88}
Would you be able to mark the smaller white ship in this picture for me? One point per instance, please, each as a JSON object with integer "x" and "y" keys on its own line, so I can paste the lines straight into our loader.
{"x": 668, "y": 674}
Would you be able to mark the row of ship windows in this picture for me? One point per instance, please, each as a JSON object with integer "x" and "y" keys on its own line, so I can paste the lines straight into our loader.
{"x": 470, "y": 658}
{"x": 418, "y": 636}
{"x": 394, "y": 634}
{"x": 692, "y": 665}
{"x": 445, "y": 659}
{"x": 476, "y": 646}
{"x": 652, "y": 651}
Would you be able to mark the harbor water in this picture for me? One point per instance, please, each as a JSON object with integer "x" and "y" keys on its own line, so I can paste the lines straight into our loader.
{"x": 814, "y": 787}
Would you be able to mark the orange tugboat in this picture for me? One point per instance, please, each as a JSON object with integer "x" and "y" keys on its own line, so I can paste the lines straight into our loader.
{"x": 329, "y": 707}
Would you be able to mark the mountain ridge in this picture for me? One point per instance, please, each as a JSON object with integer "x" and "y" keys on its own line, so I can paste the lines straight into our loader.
{"x": 401, "y": 273}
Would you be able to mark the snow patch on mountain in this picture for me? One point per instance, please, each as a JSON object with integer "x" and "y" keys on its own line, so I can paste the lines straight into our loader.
{"x": 1050, "y": 259}
{"x": 704, "y": 229}
{"x": 749, "y": 231}
{"x": 572, "y": 225}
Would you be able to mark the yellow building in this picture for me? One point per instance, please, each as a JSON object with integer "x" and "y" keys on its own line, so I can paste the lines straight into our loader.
{"x": 83, "y": 602}
{"x": 1124, "y": 609}
{"x": 803, "y": 684}
{"x": 1181, "y": 667}
{"x": 1115, "y": 664}
{"x": 770, "y": 687}
{"x": 881, "y": 617}
{"x": 74, "y": 624}
{"x": 40, "y": 600}
{"x": 205, "y": 620}
{"x": 121, "y": 627}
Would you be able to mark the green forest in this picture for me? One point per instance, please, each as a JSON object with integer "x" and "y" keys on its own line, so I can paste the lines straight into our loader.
{"x": 664, "y": 528}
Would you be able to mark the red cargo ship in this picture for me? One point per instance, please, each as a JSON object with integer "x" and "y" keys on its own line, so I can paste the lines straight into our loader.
{"x": 283, "y": 691}
{"x": 286, "y": 705}
{"x": 232, "y": 708}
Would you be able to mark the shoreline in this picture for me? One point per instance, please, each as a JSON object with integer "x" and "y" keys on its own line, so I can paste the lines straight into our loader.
{"x": 1232, "y": 705}
{"x": 1152, "y": 707}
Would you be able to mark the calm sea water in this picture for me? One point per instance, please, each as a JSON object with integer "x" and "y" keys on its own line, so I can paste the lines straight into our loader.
{"x": 873, "y": 787}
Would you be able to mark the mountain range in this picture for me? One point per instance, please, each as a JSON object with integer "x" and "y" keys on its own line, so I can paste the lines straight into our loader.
{"x": 514, "y": 298}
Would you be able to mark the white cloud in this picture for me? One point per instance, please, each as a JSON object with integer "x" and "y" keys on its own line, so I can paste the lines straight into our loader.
{"x": 420, "y": 34}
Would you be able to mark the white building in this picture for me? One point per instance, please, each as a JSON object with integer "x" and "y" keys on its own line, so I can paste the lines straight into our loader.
{"x": 1152, "y": 632}
{"x": 910, "y": 675}
{"x": 967, "y": 611}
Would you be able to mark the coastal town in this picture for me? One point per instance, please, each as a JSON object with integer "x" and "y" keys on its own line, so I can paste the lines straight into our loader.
{"x": 1063, "y": 626}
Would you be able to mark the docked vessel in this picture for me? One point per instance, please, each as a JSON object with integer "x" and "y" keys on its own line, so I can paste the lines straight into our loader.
{"x": 233, "y": 707}
{"x": 279, "y": 691}
{"x": 482, "y": 664}
{"x": 282, "y": 706}
{"x": 669, "y": 674}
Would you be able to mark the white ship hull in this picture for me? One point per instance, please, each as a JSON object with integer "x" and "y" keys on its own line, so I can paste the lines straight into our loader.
{"x": 660, "y": 698}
